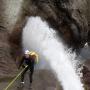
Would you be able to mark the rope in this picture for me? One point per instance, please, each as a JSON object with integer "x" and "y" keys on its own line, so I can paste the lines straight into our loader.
{"x": 15, "y": 78}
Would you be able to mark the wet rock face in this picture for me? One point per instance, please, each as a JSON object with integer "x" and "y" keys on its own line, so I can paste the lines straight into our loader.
{"x": 86, "y": 76}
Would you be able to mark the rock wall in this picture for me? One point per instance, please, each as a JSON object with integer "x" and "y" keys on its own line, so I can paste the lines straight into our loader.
{"x": 9, "y": 11}
{"x": 7, "y": 64}
{"x": 12, "y": 12}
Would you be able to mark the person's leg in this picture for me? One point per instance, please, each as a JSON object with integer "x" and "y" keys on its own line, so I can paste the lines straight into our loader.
{"x": 23, "y": 74}
{"x": 31, "y": 74}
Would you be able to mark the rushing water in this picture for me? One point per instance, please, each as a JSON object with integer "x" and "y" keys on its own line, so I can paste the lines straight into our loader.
{"x": 38, "y": 36}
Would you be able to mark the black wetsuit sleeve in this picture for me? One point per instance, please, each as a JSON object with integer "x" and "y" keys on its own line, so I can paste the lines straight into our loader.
{"x": 21, "y": 62}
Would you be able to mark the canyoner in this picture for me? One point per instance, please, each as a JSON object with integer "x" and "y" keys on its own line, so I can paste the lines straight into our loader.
{"x": 29, "y": 59}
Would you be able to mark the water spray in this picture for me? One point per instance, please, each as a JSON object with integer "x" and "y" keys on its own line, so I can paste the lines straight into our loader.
{"x": 38, "y": 36}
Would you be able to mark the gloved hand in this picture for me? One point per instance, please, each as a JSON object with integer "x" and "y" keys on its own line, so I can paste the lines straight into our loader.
{"x": 23, "y": 66}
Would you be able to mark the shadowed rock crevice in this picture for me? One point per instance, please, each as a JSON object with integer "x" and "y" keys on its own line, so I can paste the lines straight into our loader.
{"x": 5, "y": 56}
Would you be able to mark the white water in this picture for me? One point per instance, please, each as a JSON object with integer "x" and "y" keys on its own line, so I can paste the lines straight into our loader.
{"x": 38, "y": 36}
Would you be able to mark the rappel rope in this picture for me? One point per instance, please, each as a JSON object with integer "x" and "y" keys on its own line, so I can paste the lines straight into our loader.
{"x": 10, "y": 84}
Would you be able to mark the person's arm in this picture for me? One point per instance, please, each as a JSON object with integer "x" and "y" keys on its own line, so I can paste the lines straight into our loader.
{"x": 21, "y": 62}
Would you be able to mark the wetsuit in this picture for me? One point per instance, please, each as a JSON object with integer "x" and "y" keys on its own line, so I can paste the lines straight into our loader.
{"x": 30, "y": 62}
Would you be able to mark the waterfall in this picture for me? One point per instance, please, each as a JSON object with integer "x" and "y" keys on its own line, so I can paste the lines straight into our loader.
{"x": 38, "y": 36}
